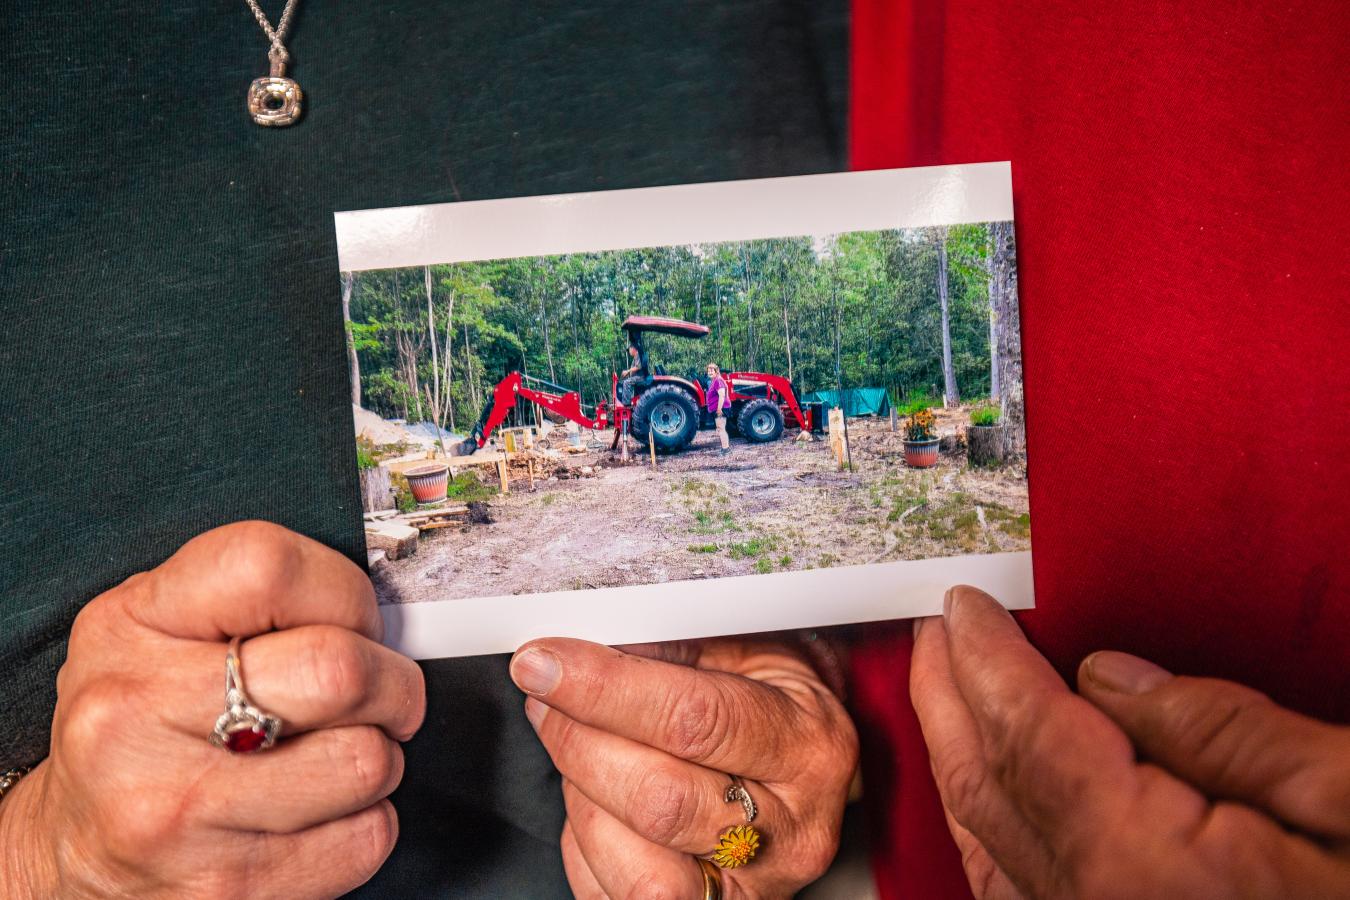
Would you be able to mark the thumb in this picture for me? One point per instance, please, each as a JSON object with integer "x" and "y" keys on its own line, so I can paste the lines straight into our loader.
{"x": 1229, "y": 741}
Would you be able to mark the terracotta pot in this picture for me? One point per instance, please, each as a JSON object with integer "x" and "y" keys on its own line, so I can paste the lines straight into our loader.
{"x": 921, "y": 454}
{"x": 428, "y": 483}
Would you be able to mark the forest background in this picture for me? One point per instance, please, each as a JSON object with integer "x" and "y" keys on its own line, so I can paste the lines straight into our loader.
{"x": 926, "y": 313}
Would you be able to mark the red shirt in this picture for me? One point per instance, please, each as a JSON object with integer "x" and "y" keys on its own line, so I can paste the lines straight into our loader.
{"x": 1180, "y": 187}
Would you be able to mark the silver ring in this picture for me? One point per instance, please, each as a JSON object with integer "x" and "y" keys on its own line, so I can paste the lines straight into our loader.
{"x": 242, "y": 727}
{"x": 736, "y": 793}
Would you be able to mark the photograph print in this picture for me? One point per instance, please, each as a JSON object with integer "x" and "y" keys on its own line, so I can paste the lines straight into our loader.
{"x": 691, "y": 424}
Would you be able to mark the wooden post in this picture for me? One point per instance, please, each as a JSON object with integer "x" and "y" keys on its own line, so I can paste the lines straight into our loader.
{"x": 501, "y": 474}
{"x": 529, "y": 465}
{"x": 838, "y": 438}
{"x": 895, "y": 425}
{"x": 651, "y": 444}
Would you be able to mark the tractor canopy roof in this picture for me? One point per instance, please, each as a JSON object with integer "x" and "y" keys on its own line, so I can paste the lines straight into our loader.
{"x": 659, "y": 325}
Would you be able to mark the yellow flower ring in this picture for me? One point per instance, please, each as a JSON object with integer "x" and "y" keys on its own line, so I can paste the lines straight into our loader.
{"x": 736, "y": 847}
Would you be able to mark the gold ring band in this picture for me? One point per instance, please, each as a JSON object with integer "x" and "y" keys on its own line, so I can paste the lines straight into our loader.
{"x": 712, "y": 879}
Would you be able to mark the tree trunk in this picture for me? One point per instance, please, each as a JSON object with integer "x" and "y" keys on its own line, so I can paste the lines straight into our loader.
{"x": 994, "y": 382}
{"x": 353, "y": 363}
{"x": 951, "y": 394}
{"x": 989, "y": 445}
{"x": 376, "y": 491}
{"x": 787, "y": 335}
{"x": 1008, "y": 334}
{"x": 750, "y": 309}
{"x": 449, "y": 407}
{"x": 435, "y": 397}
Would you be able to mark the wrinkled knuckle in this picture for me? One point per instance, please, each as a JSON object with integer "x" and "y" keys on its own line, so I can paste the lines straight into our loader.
{"x": 663, "y": 807}
{"x": 963, "y": 783}
{"x": 373, "y": 841}
{"x": 1212, "y": 723}
{"x": 698, "y": 724}
{"x": 415, "y": 694}
{"x": 96, "y": 717}
{"x": 89, "y": 626}
{"x": 339, "y": 668}
{"x": 369, "y": 759}
{"x": 842, "y": 749}
{"x": 564, "y": 740}
{"x": 261, "y": 557}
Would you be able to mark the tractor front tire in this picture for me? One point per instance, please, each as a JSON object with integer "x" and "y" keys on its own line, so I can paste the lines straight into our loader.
{"x": 669, "y": 414}
{"x": 760, "y": 421}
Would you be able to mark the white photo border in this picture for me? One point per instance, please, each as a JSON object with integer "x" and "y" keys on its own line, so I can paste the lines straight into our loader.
{"x": 398, "y": 237}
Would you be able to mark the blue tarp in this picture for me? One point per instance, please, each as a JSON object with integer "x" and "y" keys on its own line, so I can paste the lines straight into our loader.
{"x": 866, "y": 401}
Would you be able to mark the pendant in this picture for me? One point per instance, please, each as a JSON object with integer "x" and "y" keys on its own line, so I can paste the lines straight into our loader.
{"x": 275, "y": 100}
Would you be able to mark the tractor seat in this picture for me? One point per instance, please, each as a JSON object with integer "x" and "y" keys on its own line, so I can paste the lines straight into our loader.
{"x": 701, "y": 379}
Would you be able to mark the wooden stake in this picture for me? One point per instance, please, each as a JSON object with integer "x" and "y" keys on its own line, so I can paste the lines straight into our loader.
{"x": 838, "y": 436}
{"x": 501, "y": 474}
{"x": 651, "y": 443}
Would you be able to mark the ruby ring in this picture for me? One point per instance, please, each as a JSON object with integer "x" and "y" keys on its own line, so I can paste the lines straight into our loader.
{"x": 242, "y": 727}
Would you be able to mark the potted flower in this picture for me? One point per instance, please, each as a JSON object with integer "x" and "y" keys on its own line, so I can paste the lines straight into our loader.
{"x": 428, "y": 483}
{"x": 921, "y": 440}
{"x": 987, "y": 436}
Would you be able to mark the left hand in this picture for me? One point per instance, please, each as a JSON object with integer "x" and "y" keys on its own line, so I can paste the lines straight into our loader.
{"x": 646, "y": 739}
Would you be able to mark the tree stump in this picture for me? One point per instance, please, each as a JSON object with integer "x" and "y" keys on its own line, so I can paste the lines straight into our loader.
{"x": 989, "y": 445}
{"x": 377, "y": 494}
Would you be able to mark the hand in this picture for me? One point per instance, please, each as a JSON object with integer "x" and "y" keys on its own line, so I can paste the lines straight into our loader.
{"x": 1143, "y": 785}
{"x": 645, "y": 746}
{"x": 134, "y": 802}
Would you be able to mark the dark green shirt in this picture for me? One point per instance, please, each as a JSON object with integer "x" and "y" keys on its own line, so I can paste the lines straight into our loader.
{"x": 171, "y": 347}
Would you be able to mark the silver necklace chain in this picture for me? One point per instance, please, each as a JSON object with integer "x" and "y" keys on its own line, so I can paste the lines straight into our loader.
{"x": 278, "y": 34}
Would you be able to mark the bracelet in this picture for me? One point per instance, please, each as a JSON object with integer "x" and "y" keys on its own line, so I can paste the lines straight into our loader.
{"x": 11, "y": 778}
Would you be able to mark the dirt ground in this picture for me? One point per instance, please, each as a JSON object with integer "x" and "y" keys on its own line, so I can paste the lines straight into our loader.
{"x": 761, "y": 508}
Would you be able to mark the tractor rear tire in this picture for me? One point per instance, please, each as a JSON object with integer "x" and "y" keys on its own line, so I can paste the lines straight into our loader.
{"x": 669, "y": 413}
{"x": 760, "y": 421}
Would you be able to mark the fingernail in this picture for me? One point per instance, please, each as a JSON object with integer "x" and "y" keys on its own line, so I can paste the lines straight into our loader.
{"x": 1126, "y": 674}
{"x": 536, "y": 671}
{"x": 535, "y": 712}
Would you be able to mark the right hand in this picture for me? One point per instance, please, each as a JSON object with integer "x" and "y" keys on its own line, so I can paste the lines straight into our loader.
{"x": 134, "y": 802}
{"x": 1143, "y": 784}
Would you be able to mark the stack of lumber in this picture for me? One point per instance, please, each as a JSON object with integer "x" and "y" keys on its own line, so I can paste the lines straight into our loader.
{"x": 396, "y": 533}
{"x": 439, "y": 517}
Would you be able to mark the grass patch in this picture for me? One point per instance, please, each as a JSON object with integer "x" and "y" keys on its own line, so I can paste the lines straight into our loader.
{"x": 753, "y": 548}
{"x": 784, "y": 561}
{"x": 763, "y": 566}
{"x": 702, "y": 548}
{"x": 1018, "y": 526}
{"x": 710, "y": 521}
{"x": 825, "y": 560}
{"x": 466, "y": 488}
{"x": 549, "y": 499}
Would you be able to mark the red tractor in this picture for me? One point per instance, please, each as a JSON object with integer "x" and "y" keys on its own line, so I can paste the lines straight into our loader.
{"x": 653, "y": 404}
